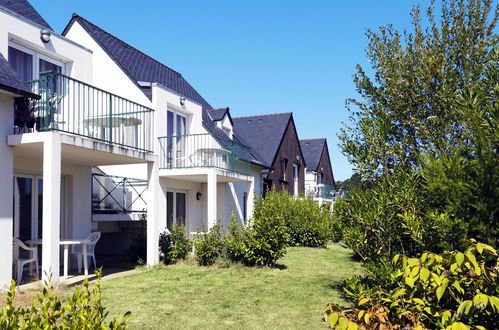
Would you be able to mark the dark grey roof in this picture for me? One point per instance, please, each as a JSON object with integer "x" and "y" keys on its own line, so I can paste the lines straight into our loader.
{"x": 25, "y": 9}
{"x": 218, "y": 114}
{"x": 9, "y": 80}
{"x": 312, "y": 151}
{"x": 137, "y": 65}
{"x": 263, "y": 133}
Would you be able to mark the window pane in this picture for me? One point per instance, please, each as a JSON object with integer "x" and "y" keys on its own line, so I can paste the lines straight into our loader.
{"x": 47, "y": 66}
{"x": 169, "y": 209}
{"x": 22, "y": 63}
{"x": 181, "y": 209}
{"x": 23, "y": 190}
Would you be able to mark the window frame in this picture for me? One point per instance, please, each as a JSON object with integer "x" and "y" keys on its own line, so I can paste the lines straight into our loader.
{"x": 36, "y": 57}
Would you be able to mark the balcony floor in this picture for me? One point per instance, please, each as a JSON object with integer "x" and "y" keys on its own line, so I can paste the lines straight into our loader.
{"x": 201, "y": 174}
{"x": 78, "y": 150}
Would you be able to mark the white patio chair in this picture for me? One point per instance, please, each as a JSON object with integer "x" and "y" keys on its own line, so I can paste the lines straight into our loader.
{"x": 78, "y": 250}
{"x": 20, "y": 263}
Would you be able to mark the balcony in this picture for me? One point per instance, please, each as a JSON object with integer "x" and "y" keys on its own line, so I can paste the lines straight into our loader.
{"x": 72, "y": 106}
{"x": 204, "y": 151}
{"x": 322, "y": 190}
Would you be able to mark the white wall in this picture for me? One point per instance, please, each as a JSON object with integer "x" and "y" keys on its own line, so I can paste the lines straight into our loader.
{"x": 78, "y": 59}
{"x": 6, "y": 179}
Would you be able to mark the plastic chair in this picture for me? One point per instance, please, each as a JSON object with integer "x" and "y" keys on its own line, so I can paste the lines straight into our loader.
{"x": 78, "y": 250}
{"x": 20, "y": 263}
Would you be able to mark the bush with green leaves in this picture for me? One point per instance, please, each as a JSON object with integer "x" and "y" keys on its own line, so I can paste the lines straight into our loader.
{"x": 452, "y": 290}
{"x": 174, "y": 244}
{"x": 235, "y": 241}
{"x": 266, "y": 239}
{"x": 209, "y": 245}
{"x": 82, "y": 310}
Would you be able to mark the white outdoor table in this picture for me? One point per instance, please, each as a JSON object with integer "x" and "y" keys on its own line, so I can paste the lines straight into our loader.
{"x": 67, "y": 243}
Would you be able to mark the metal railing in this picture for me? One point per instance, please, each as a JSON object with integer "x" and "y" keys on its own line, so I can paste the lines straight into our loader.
{"x": 204, "y": 151}
{"x": 323, "y": 190}
{"x": 75, "y": 107}
{"x": 118, "y": 195}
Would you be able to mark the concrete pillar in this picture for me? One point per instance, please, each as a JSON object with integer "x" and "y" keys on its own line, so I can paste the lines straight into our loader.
{"x": 212, "y": 199}
{"x": 51, "y": 206}
{"x": 6, "y": 193}
{"x": 251, "y": 198}
{"x": 153, "y": 214}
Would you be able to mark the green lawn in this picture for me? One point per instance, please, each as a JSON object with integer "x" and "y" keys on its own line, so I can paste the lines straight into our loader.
{"x": 186, "y": 296}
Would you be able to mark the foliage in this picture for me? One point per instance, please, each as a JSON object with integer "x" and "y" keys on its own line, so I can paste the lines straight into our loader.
{"x": 235, "y": 241}
{"x": 354, "y": 183}
{"x": 174, "y": 244}
{"x": 266, "y": 238}
{"x": 209, "y": 245}
{"x": 408, "y": 107}
{"x": 453, "y": 290}
{"x": 390, "y": 218}
{"x": 82, "y": 310}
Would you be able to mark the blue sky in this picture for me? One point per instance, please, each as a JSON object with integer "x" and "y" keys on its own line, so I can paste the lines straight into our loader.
{"x": 254, "y": 56}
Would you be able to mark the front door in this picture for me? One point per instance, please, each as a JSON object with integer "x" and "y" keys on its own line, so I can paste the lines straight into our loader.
{"x": 176, "y": 208}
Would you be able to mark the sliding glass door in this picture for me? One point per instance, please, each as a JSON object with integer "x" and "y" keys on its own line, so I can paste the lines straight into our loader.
{"x": 176, "y": 208}
{"x": 176, "y": 129}
{"x": 28, "y": 207}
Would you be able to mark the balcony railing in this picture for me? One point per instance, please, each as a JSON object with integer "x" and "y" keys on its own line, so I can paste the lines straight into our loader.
{"x": 204, "y": 151}
{"x": 118, "y": 195}
{"x": 75, "y": 107}
{"x": 323, "y": 190}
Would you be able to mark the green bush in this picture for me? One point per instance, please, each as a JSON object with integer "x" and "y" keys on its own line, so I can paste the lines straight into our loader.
{"x": 81, "y": 310}
{"x": 209, "y": 245}
{"x": 174, "y": 244}
{"x": 452, "y": 290}
{"x": 266, "y": 239}
{"x": 235, "y": 241}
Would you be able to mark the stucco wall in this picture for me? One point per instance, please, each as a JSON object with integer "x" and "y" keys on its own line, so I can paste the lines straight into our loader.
{"x": 6, "y": 179}
{"x": 78, "y": 59}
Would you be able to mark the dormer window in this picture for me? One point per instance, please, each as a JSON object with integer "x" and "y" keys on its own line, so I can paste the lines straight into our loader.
{"x": 227, "y": 131}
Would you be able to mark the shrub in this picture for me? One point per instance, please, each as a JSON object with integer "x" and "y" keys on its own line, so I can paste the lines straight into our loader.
{"x": 209, "y": 246}
{"x": 452, "y": 290}
{"x": 266, "y": 239}
{"x": 174, "y": 245}
{"x": 235, "y": 241}
{"x": 82, "y": 310}
{"x": 308, "y": 224}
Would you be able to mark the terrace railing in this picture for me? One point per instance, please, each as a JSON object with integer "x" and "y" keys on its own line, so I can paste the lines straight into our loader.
{"x": 118, "y": 195}
{"x": 321, "y": 190}
{"x": 75, "y": 107}
{"x": 204, "y": 151}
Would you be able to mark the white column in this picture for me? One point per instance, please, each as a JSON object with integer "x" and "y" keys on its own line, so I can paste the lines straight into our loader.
{"x": 6, "y": 200}
{"x": 51, "y": 215}
{"x": 153, "y": 221}
{"x": 212, "y": 199}
{"x": 251, "y": 198}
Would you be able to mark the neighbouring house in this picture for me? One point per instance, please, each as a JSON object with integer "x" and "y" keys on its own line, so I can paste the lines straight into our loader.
{"x": 319, "y": 178}
{"x": 275, "y": 142}
{"x": 56, "y": 126}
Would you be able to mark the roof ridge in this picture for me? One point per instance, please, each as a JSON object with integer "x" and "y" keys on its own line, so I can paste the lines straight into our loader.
{"x": 75, "y": 15}
{"x": 315, "y": 139}
{"x": 218, "y": 109}
{"x": 265, "y": 115}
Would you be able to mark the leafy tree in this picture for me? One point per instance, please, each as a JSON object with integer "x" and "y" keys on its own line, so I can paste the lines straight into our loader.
{"x": 354, "y": 183}
{"x": 408, "y": 107}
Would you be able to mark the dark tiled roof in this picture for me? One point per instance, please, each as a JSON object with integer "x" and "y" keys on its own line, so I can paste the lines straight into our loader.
{"x": 9, "y": 81}
{"x": 312, "y": 151}
{"x": 262, "y": 133}
{"x": 218, "y": 114}
{"x": 137, "y": 65}
{"x": 25, "y": 9}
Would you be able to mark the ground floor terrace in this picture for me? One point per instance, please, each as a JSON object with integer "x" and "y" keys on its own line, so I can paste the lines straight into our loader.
{"x": 46, "y": 199}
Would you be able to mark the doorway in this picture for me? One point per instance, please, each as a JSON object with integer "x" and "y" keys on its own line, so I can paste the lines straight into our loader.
{"x": 176, "y": 208}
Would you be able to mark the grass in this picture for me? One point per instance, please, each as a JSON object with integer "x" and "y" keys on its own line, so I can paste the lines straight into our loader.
{"x": 186, "y": 296}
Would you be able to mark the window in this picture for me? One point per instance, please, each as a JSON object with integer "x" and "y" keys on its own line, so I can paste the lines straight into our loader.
{"x": 284, "y": 166}
{"x": 176, "y": 129}
{"x": 28, "y": 64}
{"x": 175, "y": 208}
{"x": 320, "y": 178}
{"x": 245, "y": 208}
